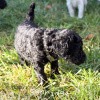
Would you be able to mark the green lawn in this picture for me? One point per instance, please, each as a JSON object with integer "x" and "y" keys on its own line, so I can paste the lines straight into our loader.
{"x": 75, "y": 82}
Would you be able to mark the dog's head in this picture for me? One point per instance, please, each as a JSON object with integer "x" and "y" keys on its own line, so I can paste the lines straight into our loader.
{"x": 3, "y": 4}
{"x": 69, "y": 47}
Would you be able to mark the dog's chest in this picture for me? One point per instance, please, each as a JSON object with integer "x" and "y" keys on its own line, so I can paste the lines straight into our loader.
{"x": 74, "y": 3}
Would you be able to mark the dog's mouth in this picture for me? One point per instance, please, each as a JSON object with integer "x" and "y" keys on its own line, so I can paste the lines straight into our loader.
{"x": 78, "y": 62}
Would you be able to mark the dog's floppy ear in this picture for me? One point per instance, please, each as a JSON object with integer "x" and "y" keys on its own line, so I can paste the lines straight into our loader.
{"x": 77, "y": 39}
{"x": 74, "y": 38}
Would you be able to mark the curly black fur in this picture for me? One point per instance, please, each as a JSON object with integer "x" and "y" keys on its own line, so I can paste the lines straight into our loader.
{"x": 40, "y": 46}
{"x": 3, "y": 4}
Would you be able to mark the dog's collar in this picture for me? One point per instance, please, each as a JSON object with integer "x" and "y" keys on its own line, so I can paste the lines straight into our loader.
{"x": 50, "y": 58}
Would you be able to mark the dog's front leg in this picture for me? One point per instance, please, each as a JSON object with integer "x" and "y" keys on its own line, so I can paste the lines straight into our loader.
{"x": 54, "y": 68}
{"x": 80, "y": 10}
{"x": 39, "y": 70}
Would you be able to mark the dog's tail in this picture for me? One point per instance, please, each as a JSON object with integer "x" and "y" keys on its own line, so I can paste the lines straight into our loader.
{"x": 30, "y": 14}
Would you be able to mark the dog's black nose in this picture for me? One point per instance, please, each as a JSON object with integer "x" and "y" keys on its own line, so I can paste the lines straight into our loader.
{"x": 3, "y": 4}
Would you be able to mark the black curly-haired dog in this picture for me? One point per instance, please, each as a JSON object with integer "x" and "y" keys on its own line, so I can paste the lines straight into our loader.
{"x": 3, "y": 4}
{"x": 40, "y": 46}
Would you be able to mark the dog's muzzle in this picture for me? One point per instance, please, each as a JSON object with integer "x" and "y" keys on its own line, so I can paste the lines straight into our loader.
{"x": 78, "y": 59}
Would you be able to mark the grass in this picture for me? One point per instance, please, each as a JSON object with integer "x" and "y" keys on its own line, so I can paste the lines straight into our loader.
{"x": 75, "y": 82}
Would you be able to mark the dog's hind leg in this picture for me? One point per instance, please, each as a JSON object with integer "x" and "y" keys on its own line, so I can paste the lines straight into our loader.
{"x": 39, "y": 70}
{"x": 23, "y": 61}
